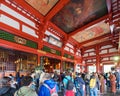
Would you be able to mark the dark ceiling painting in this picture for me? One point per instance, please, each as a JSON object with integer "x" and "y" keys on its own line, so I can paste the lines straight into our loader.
{"x": 78, "y": 13}
{"x": 43, "y": 6}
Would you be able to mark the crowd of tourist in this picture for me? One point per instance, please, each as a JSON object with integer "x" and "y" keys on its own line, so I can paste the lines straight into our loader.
{"x": 64, "y": 84}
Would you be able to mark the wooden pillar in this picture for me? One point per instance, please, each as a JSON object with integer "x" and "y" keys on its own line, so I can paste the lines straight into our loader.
{"x": 61, "y": 66}
{"x": 97, "y": 59}
{"x": 42, "y": 28}
{"x": 38, "y": 59}
{"x": 62, "y": 53}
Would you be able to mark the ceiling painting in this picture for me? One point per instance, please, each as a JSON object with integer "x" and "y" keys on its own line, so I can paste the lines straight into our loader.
{"x": 43, "y": 6}
{"x": 95, "y": 42}
{"x": 78, "y": 13}
{"x": 92, "y": 32}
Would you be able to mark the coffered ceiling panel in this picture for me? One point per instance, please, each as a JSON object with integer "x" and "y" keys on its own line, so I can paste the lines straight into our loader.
{"x": 92, "y": 32}
{"x": 43, "y": 6}
{"x": 78, "y": 13}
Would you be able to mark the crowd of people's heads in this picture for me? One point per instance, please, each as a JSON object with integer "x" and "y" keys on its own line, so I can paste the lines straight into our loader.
{"x": 26, "y": 81}
{"x": 43, "y": 76}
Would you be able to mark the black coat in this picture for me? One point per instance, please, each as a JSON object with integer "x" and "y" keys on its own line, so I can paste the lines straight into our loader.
{"x": 7, "y": 91}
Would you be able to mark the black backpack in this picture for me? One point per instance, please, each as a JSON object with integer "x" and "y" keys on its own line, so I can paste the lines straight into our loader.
{"x": 70, "y": 84}
{"x": 78, "y": 84}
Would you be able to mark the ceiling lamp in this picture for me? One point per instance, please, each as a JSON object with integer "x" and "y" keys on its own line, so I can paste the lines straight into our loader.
{"x": 112, "y": 28}
{"x": 116, "y": 58}
{"x": 78, "y": 10}
{"x": 101, "y": 64}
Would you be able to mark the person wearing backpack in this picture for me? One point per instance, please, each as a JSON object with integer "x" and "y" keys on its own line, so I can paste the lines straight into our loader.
{"x": 68, "y": 83}
{"x": 80, "y": 85}
{"x": 49, "y": 86}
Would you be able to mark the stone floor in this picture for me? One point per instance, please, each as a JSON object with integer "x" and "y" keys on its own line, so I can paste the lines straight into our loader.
{"x": 107, "y": 93}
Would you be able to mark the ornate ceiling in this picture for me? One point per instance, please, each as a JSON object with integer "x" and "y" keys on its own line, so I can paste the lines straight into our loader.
{"x": 85, "y": 21}
{"x": 78, "y": 13}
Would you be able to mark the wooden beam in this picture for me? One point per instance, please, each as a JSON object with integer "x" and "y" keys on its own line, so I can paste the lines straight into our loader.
{"x": 94, "y": 39}
{"x": 57, "y": 8}
{"x": 56, "y": 28}
{"x": 17, "y": 32}
{"x": 10, "y": 45}
{"x": 73, "y": 42}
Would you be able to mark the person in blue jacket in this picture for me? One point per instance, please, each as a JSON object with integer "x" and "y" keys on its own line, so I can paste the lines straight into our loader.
{"x": 80, "y": 85}
{"x": 44, "y": 91}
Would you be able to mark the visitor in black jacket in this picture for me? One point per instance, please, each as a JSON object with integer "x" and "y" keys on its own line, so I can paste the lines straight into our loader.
{"x": 5, "y": 88}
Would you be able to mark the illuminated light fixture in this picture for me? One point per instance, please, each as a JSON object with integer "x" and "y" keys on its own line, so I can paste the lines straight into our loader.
{"x": 64, "y": 58}
{"x": 78, "y": 10}
{"x": 75, "y": 61}
{"x": 47, "y": 62}
{"x": 116, "y": 58}
{"x": 115, "y": 63}
{"x": 112, "y": 28}
{"x": 40, "y": 51}
{"x": 101, "y": 64}
{"x": 93, "y": 64}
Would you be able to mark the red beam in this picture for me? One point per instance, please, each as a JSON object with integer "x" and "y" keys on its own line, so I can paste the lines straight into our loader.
{"x": 68, "y": 53}
{"x": 109, "y": 42}
{"x": 109, "y": 54}
{"x": 20, "y": 22}
{"x": 58, "y": 57}
{"x": 7, "y": 44}
{"x": 89, "y": 57}
{"x": 57, "y": 29}
{"x": 101, "y": 55}
{"x": 17, "y": 32}
{"x": 58, "y": 6}
{"x": 51, "y": 55}
{"x": 52, "y": 46}
{"x": 94, "y": 39}
{"x": 73, "y": 42}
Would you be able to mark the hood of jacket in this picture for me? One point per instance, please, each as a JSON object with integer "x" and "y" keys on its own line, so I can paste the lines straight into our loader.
{"x": 50, "y": 83}
{"x": 25, "y": 91}
{"x": 4, "y": 90}
{"x": 43, "y": 91}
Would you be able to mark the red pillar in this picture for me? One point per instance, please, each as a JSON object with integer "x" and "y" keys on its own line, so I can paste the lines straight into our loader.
{"x": 42, "y": 28}
{"x": 97, "y": 59}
